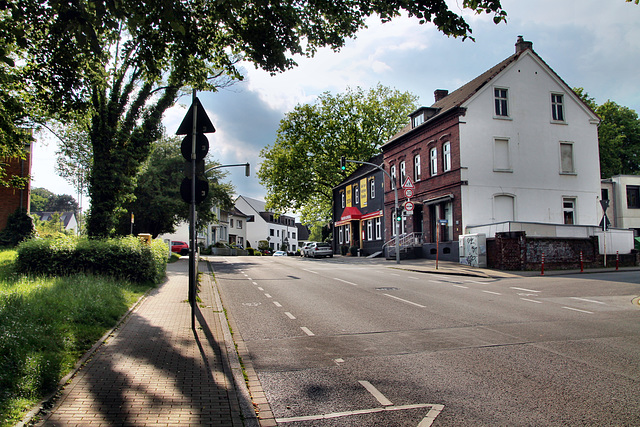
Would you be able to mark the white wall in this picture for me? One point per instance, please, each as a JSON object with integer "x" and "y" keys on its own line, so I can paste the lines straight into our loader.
{"x": 534, "y": 147}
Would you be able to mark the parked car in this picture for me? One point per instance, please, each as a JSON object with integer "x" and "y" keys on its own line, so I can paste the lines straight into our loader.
{"x": 320, "y": 249}
{"x": 280, "y": 253}
{"x": 181, "y": 248}
{"x": 304, "y": 250}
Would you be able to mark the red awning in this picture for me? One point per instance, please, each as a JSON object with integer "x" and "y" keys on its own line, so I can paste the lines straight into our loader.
{"x": 350, "y": 213}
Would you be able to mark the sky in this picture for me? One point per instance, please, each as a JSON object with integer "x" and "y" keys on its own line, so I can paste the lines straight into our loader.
{"x": 594, "y": 44}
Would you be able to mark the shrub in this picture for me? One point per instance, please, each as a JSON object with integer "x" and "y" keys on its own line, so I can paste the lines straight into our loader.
{"x": 126, "y": 258}
{"x": 19, "y": 227}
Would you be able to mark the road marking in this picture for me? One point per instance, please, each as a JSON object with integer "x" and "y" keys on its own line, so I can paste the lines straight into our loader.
{"x": 290, "y": 316}
{"x": 523, "y": 289}
{"x": 491, "y": 292}
{"x": 434, "y": 411}
{"x": 255, "y": 283}
{"x": 531, "y": 300}
{"x": 338, "y": 361}
{"x": 260, "y": 288}
{"x": 475, "y": 281}
{"x": 589, "y": 300}
{"x": 311, "y": 271}
{"x": 307, "y": 331}
{"x": 435, "y": 281}
{"x": 394, "y": 274}
{"x": 277, "y": 304}
{"x": 404, "y": 300}
{"x": 344, "y": 281}
{"x": 267, "y": 295}
{"x": 461, "y": 286}
{"x": 577, "y": 309}
{"x": 414, "y": 278}
{"x": 376, "y": 393}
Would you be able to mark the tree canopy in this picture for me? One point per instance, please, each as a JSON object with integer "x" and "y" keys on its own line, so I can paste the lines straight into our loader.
{"x": 618, "y": 136}
{"x": 157, "y": 205}
{"x": 43, "y": 200}
{"x": 115, "y": 67}
{"x": 301, "y": 168}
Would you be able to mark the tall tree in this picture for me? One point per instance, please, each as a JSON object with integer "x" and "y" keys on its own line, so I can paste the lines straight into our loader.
{"x": 123, "y": 63}
{"x": 157, "y": 206}
{"x": 618, "y": 137}
{"x": 302, "y": 167}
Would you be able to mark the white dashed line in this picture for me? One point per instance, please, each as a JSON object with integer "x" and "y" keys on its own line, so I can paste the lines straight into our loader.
{"x": 475, "y": 281}
{"x": 406, "y": 301}
{"x": 255, "y": 283}
{"x": 310, "y": 271}
{"x": 461, "y": 286}
{"x": 267, "y": 295}
{"x": 290, "y": 316}
{"x": 307, "y": 331}
{"x": 588, "y": 300}
{"x": 577, "y": 309}
{"x": 491, "y": 292}
{"x": 277, "y": 304}
{"x": 344, "y": 281}
{"x": 523, "y": 289}
{"x": 260, "y": 288}
{"x": 531, "y": 300}
{"x": 414, "y": 278}
{"x": 435, "y": 281}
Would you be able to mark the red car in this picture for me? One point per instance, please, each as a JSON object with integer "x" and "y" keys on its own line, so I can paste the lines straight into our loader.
{"x": 180, "y": 247}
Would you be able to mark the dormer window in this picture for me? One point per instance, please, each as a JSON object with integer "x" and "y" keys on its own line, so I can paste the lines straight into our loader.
{"x": 417, "y": 120}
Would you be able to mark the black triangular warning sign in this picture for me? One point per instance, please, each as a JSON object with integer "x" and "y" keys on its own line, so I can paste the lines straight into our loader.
{"x": 203, "y": 123}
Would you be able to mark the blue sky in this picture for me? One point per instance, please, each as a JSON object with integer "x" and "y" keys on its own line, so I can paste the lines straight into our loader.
{"x": 593, "y": 44}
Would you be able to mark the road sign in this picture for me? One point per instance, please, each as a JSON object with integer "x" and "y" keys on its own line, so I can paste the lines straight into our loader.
{"x": 443, "y": 221}
{"x": 408, "y": 183}
{"x": 408, "y": 206}
{"x": 408, "y": 192}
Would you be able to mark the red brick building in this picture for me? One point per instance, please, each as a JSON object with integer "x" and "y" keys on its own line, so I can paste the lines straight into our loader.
{"x": 11, "y": 198}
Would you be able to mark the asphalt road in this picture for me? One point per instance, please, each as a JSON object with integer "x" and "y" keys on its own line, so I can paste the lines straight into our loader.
{"x": 339, "y": 344}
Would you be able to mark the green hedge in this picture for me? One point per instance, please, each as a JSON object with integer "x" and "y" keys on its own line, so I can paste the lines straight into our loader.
{"x": 126, "y": 258}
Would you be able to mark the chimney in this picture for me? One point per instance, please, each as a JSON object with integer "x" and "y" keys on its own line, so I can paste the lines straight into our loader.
{"x": 440, "y": 93}
{"x": 522, "y": 45}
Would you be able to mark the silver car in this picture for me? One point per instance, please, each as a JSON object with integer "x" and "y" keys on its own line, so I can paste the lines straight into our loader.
{"x": 320, "y": 249}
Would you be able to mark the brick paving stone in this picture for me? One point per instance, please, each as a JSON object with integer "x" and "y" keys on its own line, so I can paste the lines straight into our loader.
{"x": 155, "y": 370}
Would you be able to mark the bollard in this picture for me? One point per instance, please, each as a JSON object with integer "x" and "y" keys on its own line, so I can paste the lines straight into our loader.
{"x": 581, "y": 263}
{"x": 617, "y": 259}
{"x": 542, "y": 265}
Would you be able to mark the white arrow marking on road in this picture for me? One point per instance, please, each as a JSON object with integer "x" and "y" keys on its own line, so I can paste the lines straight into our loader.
{"x": 434, "y": 411}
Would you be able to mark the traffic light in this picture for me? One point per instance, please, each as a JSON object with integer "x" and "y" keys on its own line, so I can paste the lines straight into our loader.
{"x": 195, "y": 166}
{"x": 398, "y": 215}
{"x": 343, "y": 163}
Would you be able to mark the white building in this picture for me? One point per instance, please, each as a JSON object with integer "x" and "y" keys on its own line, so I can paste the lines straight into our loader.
{"x": 261, "y": 224}
{"x": 623, "y": 193}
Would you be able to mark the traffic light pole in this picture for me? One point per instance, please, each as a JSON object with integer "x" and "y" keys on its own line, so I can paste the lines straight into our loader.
{"x": 395, "y": 195}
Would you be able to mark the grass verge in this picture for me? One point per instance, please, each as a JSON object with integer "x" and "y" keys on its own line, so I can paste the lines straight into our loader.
{"x": 46, "y": 324}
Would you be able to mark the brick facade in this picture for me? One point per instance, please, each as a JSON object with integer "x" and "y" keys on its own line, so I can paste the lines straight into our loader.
{"x": 11, "y": 198}
{"x": 431, "y": 189}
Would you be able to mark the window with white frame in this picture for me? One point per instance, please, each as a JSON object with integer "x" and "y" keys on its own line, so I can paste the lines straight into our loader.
{"x": 378, "y": 227}
{"x": 372, "y": 188}
{"x": 231, "y": 222}
{"x": 341, "y": 235}
{"x": 416, "y": 167}
{"x": 569, "y": 210}
{"x": 566, "y": 158}
{"x": 347, "y": 236}
{"x": 342, "y": 199}
{"x": 501, "y": 102}
{"x": 356, "y": 194}
{"x": 446, "y": 156}
{"x": 392, "y": 173}
{"x": 370, "y": 230}
{"x": 403, "y": 172}
{"x": 433, "y": 164}
{"x": 557, "y": 107}
{"x": 501, "y": 155}
{"x": 239, "y": 223}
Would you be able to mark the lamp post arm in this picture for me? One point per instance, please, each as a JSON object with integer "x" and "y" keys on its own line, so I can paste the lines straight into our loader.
{"x": 395, "y": 195}
{"x": 246, "y": 165}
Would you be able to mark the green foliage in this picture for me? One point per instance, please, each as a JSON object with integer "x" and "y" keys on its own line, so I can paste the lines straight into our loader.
{"x": 43, "y": 200}
{"x": 46, "y": 324}
{"x": 125, "y": 258}
{"x": 158, "y": 206}
{"x": 618, "y": 137}
{"x": 19, "y": 227}
{"x": 302, "y": 167}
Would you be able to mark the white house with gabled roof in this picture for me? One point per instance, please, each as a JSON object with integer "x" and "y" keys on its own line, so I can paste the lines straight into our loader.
{"x": 262, "y": 224}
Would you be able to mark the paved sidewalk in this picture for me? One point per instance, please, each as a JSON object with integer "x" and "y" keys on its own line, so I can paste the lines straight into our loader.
{"x": 153, "y": 371}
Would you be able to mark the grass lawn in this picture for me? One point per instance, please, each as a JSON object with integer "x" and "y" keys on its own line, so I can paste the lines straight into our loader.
{"x": 46, "y": 324}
